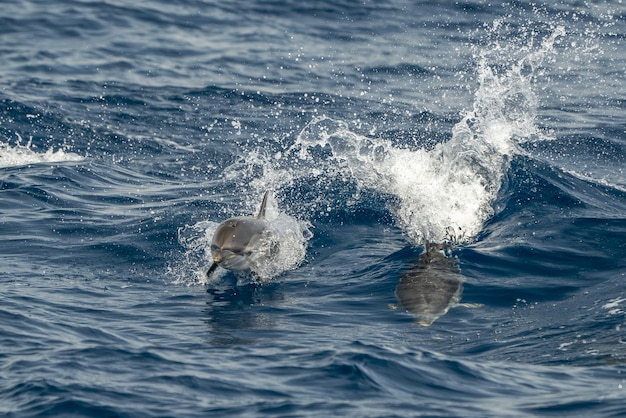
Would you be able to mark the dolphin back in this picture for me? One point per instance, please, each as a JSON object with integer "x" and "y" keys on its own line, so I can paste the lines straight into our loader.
{"x": 430, "y": 287}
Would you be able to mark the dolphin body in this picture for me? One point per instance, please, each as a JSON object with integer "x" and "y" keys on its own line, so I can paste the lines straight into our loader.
{"x": 432, "y": 285}
{"x": 244, "y": 243}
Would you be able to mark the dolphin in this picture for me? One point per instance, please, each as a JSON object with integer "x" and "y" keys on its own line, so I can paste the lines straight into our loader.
{"x": 430, "y": 287}
{"x": 244, "y": 243}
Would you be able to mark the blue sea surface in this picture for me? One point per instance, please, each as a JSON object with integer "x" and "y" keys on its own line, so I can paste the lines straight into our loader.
{"x": 129, "y": 130}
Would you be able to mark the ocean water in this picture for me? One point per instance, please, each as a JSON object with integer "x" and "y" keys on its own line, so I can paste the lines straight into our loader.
{"x": 130, "y": 130}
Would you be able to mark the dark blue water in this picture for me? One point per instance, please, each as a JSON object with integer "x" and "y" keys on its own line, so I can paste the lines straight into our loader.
{"x": 129, "y": 130}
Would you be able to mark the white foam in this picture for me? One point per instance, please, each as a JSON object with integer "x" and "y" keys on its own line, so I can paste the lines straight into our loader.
{"x": 614, "y": 307}
{"x": 18, "y": 155}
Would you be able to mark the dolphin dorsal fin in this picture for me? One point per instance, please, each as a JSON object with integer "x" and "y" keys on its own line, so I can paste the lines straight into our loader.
{"x": 261, "y": 214}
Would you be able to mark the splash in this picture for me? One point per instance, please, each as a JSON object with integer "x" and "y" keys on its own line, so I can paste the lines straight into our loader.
{"x": 19, "y": 155}
{"x": 291, "y": 235}
{"x": 444, "y": 194}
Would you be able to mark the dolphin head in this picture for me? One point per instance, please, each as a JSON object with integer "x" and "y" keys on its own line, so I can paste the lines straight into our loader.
{"x": 234, "y": 241}
{"x": 241, "y": 243}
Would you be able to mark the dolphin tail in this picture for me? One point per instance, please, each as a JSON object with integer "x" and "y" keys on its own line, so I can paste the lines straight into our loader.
{"x": 211, "y": 270}
{"x": 261, "y": 214}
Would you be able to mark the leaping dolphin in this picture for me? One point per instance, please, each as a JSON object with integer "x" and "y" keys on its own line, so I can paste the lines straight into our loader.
{"x": 242, "y": 244}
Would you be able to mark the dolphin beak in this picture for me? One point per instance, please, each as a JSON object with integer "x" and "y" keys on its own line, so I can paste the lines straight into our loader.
{"x": 217, "y": 258}
{"x": 211, "y": 270}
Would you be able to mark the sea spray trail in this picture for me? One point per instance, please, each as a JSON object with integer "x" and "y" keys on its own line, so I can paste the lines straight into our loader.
{"x": 444, "y": 194}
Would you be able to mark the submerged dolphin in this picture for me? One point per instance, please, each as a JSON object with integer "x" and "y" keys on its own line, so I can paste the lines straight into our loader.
{"x": 432, "y": 285}
{"x": 242, "y": 244}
